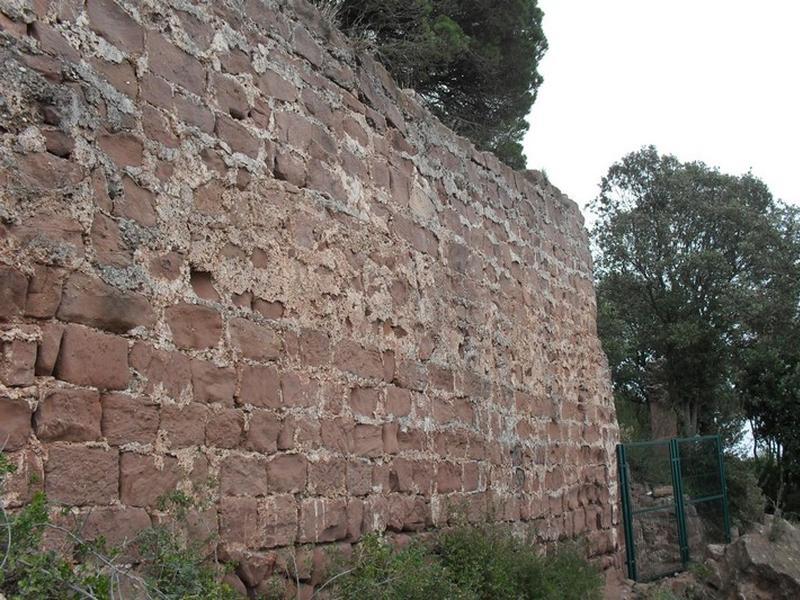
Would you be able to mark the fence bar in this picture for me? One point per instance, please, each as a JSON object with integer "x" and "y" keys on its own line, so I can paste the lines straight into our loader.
{"x": 627, "y": 518}
{"x": 726, "y": 518}
{"x": 680, "y": 509}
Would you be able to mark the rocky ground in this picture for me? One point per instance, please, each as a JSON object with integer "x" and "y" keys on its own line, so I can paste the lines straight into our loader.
{"x": 763, "y": 564}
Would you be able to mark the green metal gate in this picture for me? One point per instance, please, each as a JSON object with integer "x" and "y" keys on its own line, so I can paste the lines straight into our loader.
{"x": 674, "y": 501}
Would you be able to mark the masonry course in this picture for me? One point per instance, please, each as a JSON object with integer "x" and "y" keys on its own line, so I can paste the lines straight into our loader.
{"x": 238, "y": 261}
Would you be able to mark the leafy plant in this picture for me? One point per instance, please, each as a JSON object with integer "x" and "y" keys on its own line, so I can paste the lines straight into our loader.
{"x": 474, "y": 63}
{"x": 467, "y": 563}
{"x": 168, "y": 567}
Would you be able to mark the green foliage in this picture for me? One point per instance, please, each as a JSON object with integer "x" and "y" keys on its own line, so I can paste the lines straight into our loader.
{"x": 745, "y": 498}
{"x": 467, "y": 563}
{"x": 685, "y": 256}
{"x": 168, "y": 568}
{"x": 473, "y": 62}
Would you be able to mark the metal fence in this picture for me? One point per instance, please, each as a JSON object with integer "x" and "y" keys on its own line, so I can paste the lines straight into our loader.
{"x": 674, "y": 501}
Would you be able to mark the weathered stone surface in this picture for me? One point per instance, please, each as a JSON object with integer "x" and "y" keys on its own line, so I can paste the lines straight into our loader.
{"x": 69, "y": 415}
{"x": 81, "y": 475}
{"x": 17, "y": 362}
{"x": 15, "y": 422}
{"x": 108, "y": 19}
{"x": 92, "y": 358}
{"x": 211, "y": 383}
{"x": 194, "y": 326}
{"x": 13, "y": 291}
{"x": 128, "y": 419}
{"x": 242, "y": 475}
{"x": 143, "y": 480}
{"x": 267, "y": 260}
{"x": 90, "y": 301}
{"x": 255, "y": 341}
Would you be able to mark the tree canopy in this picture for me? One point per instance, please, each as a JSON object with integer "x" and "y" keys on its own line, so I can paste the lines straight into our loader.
{"x": 473, "y": 62}
{"x": 691, "y": 266}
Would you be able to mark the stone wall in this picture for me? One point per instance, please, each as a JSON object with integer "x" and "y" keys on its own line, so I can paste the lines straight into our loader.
{"x": 237, "y": 260}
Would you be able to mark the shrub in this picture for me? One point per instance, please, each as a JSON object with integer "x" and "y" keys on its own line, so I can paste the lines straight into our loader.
{"x": 467, "y": 563}
{"x": 168, "y": 567}
{"x": 745, "y": 498}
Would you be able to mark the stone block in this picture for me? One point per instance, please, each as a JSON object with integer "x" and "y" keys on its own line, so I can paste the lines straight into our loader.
{"x": 194, "y": 326}
{"x": 128, "y": 419}
{"x": 91, "y": 358}
{"x": 81, "y": 475}
{"x": 15, "y": 422}
{"x": 69, "y": 415}
{"x": 90, "y": 301}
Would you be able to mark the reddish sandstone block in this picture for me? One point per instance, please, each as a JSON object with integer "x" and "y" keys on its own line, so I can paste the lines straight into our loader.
{"x": 175, "y": 65}
{"x": 44, "y": 292}
{"x": 255, "y": 341}
{"x": 275, "y": 86}
{"x": 194, "y": 326}
{"x": 327, "y": 476}
{"x": 287, "y": 473}
{"x": 306, "y": 46}
{"x": 80, "y": 476}
{"x": 398, "y": 401}
{"x": 194, "y": 114}
{"x": 108, "y": 19}
{"x": 128, "y": 419}
{"x": 359, "y": 478}
{"x": 13, "y": 290}
{"x": 124, "y": 149}
{"x": 212, "y": 384}
{"x": 203, "y": 285}
{"x": 238, "y": 521}
{"x": 224, "y": 429}
{"x": 137, "y": 204}
{"x": 69, "y": 415}
{"x": 168, "y": 371}
{"x": 117, "y": 525}
{"x": 243, "y": 476}
{"x": 93, "y": 302}
{"x": 411, "y": 375}
{"x": 237, "y": 136}
{"x": 109, "y": 246}
{"x": 262, "y": 435}
{"x": 278, "y": 519}
{"x": 93, "y": 359}
{"x": 157, "y": 128}
{"x": 17, "y": 362}
{"x": 143, "y": 480}
{"x": 364, "y": 401}
{"x": 167, "y": 266}
{"x": 184, "y": 424}
{"x": 352, "y": 358}
{"x": 323, "y": 520}
{"x": 15, "y": 422}
{"x": 260, "y": 386}
{"x": 289, "y": 167}
{"x": 298, "y": 390}
{"x": 337, "y": 434}
{"x": 230, "y": 95}
{"x": 448, "y": 477}
{"x": 367, "y": 440}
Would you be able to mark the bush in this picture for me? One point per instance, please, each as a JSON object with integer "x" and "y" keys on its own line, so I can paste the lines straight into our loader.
{"x": 167, "y": 568}
{"x": 467, "y": 563}
{"x": 745, "y": 498}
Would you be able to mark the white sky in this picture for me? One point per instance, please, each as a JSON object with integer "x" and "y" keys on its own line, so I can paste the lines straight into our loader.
{"x": 710, "y": 80}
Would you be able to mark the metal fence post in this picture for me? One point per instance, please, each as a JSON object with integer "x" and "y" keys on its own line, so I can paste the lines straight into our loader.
{"x": 726, "y": 518}
{"x": 627, "y": 519}
{"x": 680, "y": 509}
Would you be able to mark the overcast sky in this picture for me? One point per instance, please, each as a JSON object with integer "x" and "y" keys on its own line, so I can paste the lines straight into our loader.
{"x": 710, "y": 80}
